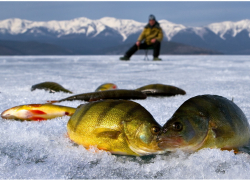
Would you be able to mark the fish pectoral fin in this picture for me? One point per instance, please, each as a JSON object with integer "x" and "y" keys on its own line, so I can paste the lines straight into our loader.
{"x": 93, "y": 99}
{"x": 149, "y": 91}
{"x": 52, "y": 102}
{"x": 35, "y": 115}
{"x": 217, "y": 132}
{"x": 236, "y": 150}
{"x": 107, "y": 133}
{"x": 34, "y": 118}
{"x": 37, "y": 112}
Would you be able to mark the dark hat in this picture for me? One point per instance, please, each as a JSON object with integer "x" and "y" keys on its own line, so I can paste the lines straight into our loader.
{"x": 151, "y": 17}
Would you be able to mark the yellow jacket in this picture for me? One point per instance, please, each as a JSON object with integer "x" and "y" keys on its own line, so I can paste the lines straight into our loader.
{"x": 149, "y": 33}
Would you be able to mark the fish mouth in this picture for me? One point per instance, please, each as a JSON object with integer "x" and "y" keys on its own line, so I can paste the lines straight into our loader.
{"x": 4, "y": 114}
{"x": 169, "y": 142}
{"x": 145, "y": 151}
{"x": 7, "y": 114}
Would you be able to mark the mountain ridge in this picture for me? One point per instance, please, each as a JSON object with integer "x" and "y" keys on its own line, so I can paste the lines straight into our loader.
{"x": 18, "y": 26}
{"x": 227, "y": 36}
{"x": 37, "y": 48}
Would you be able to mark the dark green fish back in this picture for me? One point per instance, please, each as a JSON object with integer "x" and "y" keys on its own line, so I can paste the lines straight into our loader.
{"x": 50, "y": 86}
{"x": 109, "y": 94}
{"x": 161, "y": 90}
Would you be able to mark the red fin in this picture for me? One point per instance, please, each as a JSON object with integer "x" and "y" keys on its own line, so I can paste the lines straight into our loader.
{"x": 35, "y": 105}
{"x": 94, "y": 99}
{"x": 94, "y": 149}
{"x": 37, "y": 118}
{"x": 37, "y": 112}
{"x": 52, "y": 101}
{"x": 68, "y": 114}
{"x": 66, "y": 135}
{"x": 236, "y": 150}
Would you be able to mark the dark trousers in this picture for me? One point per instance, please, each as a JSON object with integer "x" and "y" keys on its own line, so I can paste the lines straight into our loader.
{"x": 156, "y": 47}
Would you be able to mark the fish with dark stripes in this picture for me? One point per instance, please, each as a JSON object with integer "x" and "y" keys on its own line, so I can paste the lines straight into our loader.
{"x": 109, "y": 94}
{"x": 161, "y": 90}
{"x": 205, "y": 121}
{"x": 37, "y": 112}
{"x": 118, "y": 126}
{"x": 52, "y": 87}
{"x": 106, "y": 86}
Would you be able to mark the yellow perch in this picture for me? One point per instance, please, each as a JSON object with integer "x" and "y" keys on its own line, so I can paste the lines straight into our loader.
{"x": 106, "y": 86}
{"x": 161, "y": 90}
{"x": 52, "y": 87}
{"x": 37, "y": 112}
{"x": 206, "y": 121}
{"x": 108, "y": 94}
{"x": 119, "y": 126}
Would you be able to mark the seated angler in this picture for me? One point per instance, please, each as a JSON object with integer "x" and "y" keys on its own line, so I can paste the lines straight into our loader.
{"x": 151, "y": 36}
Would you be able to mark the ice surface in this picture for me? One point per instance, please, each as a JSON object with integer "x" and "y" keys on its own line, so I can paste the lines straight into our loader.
{"x": 42, "y": 149}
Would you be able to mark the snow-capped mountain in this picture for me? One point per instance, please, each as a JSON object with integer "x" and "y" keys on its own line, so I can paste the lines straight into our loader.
{"x": 61, "y": 28}
{"x": 229, "y": 27}
{"x": 124, "y": 27}
{"x": 106, "y": 32}
{"x": 170, "y": 29}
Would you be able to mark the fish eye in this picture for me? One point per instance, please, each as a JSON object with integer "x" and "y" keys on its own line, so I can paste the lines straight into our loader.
{"x": 155, "y": 130}
{"x": 177, "y": 126}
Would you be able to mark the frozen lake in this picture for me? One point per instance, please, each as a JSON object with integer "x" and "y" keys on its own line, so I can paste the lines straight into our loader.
{"x": 42, "y": 150}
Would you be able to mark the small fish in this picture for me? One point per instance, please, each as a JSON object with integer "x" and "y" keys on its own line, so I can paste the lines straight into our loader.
{"x": 119, "y": 126}
{"x": 108, "y": 94}
{"x": 37, "y": 112}
{"x": 51, "y": 87}
{"x": 161, "y": 90}
{"x": 106, "y": 86}
{"x": 206, "y": 121}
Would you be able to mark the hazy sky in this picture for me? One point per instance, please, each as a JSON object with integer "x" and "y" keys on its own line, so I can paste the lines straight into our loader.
{"x": 195, "y": 13}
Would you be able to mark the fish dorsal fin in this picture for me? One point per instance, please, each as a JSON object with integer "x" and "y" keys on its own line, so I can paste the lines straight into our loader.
{"x": 107, "y": 133}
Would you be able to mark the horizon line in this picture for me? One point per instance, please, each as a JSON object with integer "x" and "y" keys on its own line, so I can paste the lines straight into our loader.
{"x": 121, "y": 19}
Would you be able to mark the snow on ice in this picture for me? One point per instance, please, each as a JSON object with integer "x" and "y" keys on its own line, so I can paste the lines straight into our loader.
{"x": 42, "y": 149}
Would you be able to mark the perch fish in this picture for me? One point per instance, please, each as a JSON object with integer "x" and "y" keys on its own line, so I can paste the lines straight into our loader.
{"x": 51, "y": 87}
{"x": 37, "y": 112}
{"x": 109, "y": 94}
{"x": 119, "y": 126}
{"x": 205, "y": 121}
{"x": 106, "y": 86}
{"x": 161, "y": 90}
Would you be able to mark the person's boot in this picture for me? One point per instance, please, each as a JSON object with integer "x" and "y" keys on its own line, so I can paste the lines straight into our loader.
{"x": 124, "y": 58}
{"x": 156, "y": 59}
